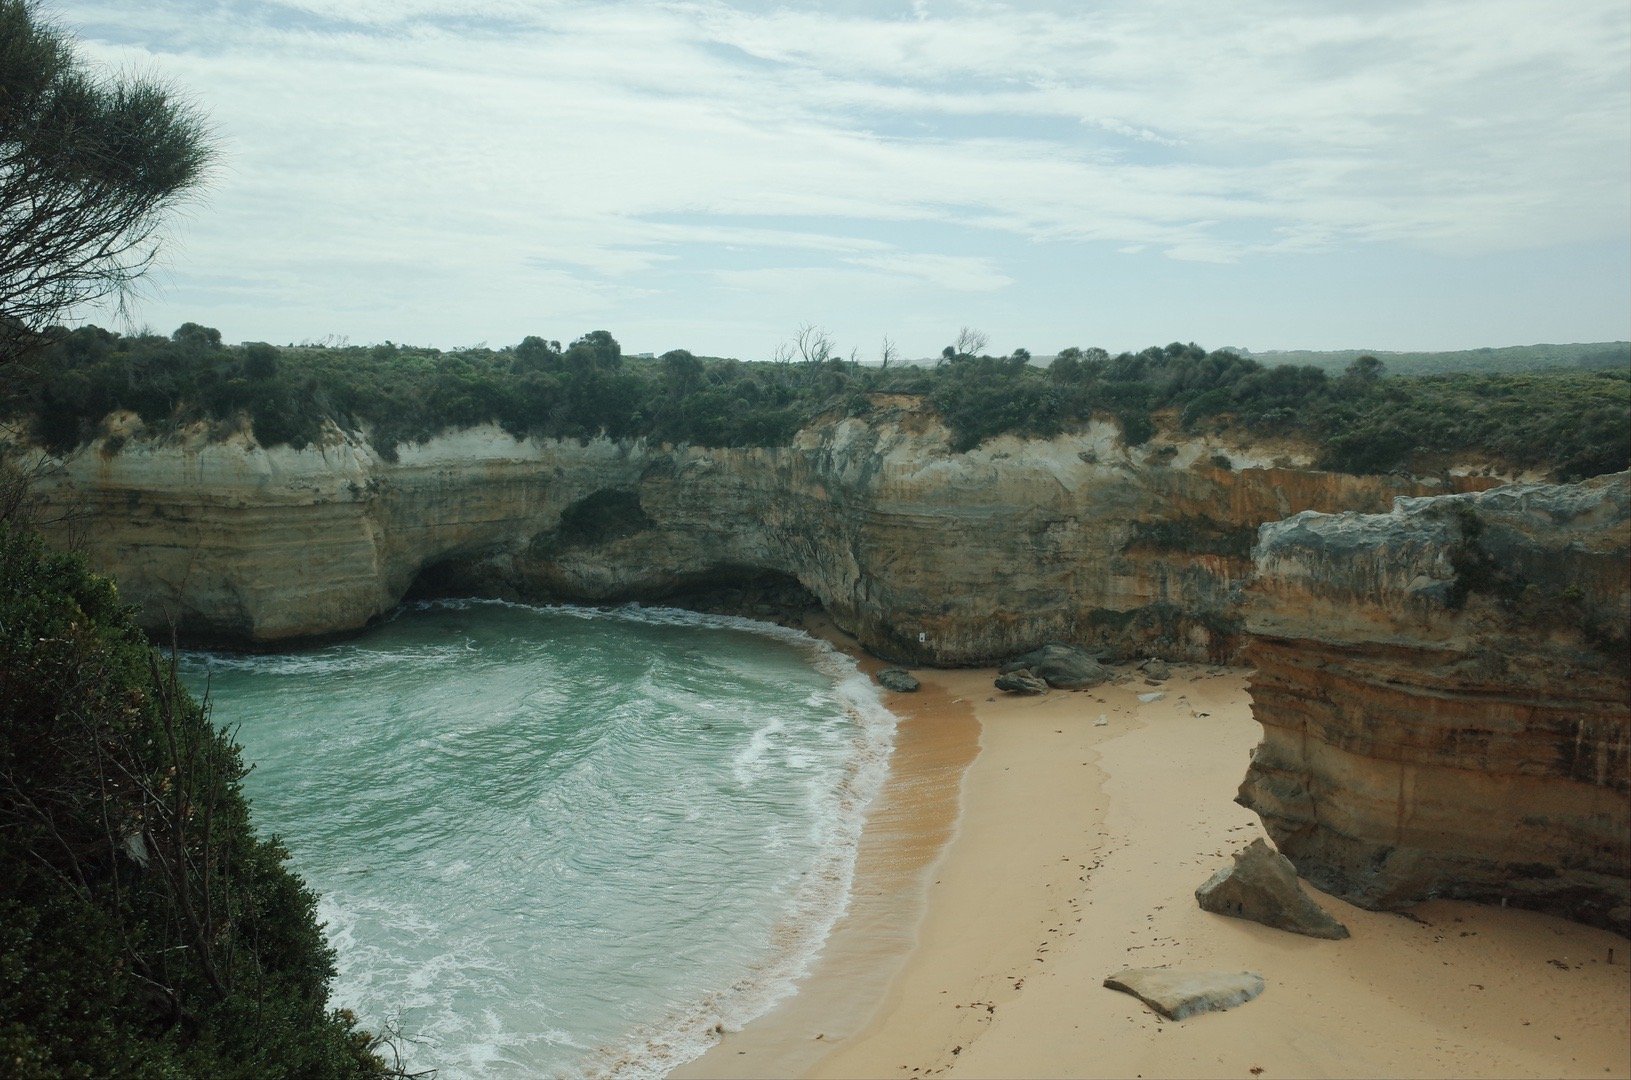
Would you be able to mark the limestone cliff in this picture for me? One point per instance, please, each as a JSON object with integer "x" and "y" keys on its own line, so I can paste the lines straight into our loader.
{"x": 926, "y": 555}
{"x": 1445, "y": 696}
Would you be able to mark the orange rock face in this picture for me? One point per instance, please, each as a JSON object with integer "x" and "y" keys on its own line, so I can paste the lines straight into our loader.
{"x": 1445, "y": 695}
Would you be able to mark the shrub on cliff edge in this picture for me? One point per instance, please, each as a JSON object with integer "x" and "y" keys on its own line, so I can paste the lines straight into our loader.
{"x": 144, "y": 929}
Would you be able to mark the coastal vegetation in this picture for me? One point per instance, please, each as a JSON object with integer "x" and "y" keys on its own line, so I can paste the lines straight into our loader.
{"x": 1568, "y": 423}
{"x": 145, "y": 930}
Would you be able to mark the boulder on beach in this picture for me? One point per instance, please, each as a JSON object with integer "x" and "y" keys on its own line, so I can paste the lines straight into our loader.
{"x": 1156, "y": 669}
{"x": 1261, "y": 885}
{"x": 1063, "y": 667}
{"x": 897, "y": 679}
{"x": 1179, "y": 994}
{"x": 1022, "y": 681}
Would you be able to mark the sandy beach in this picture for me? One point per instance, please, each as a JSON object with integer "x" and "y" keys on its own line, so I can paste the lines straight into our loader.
{"x": 1021, "y": 852}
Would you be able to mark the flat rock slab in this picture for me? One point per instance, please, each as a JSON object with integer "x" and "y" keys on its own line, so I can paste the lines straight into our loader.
{"x": 1179, "y": 994}
{"x": 1261, "y": 885}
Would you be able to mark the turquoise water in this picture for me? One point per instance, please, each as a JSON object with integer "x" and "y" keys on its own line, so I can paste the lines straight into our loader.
{"x": 556, "y": 841}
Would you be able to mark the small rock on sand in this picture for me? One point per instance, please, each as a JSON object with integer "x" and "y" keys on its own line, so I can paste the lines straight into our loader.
{"x": 1102, "y": 721}
{"x": 1155, "y": 695}
{"x": 1261, "y": 885}
{"x": 1178, "y": 994}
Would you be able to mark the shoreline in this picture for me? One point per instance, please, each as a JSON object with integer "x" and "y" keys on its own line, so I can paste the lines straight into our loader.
{"x": 1074, "y": 852}
{"x": 905, "y": 834}
{"x": 902, "y": 826}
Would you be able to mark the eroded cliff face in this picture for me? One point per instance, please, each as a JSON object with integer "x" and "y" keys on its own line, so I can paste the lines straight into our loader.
{"x": 1445, "y": 695}
{"x": 925, "y": 555}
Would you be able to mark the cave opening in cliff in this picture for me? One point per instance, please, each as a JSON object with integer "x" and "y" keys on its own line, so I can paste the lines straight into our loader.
{"x": 739, "y": 590}
{"x": 453, "y": 578}
{"x": 724, "y": 589}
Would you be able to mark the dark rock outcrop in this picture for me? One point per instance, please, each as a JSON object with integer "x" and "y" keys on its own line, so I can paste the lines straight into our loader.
{"x": 1445, "y": 694}
{"x": 1260, "y": 884}
{"x": 1063, "y": 667}
{"x": 898, "y": 679}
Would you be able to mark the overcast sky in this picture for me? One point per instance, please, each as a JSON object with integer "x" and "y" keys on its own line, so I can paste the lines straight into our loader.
{"x": 712, "y": 175}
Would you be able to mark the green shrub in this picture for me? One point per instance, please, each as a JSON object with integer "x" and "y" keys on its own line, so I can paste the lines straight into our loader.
{"x": 144, "y": 929}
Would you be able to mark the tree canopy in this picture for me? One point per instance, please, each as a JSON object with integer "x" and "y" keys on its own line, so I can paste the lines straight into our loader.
{"x": 1571, "y": 423}
{"x": 89, "y": 167}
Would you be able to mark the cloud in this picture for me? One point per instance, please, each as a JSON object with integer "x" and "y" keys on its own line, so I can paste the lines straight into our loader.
{"x": 957, "y": 273}
{"x": 496, "y": 142}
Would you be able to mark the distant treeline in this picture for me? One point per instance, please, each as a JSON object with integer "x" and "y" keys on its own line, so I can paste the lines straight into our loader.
{"x": 1572, "y": 423}
{"x": 1590, "y": 356}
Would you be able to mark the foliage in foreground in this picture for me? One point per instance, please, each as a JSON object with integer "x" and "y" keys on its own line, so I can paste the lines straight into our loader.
{"x": 1569, "y": 423}
{"x": 144, "y": 929}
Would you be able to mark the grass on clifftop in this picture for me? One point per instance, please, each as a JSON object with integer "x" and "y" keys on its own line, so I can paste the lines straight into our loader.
{"x": 1569, "y": 423}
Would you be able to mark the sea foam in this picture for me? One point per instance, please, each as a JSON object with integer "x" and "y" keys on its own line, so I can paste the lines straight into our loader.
{"x": 409, "y": 862}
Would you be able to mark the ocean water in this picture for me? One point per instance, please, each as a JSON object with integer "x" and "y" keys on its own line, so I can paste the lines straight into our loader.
{"x": 561, "y": 841}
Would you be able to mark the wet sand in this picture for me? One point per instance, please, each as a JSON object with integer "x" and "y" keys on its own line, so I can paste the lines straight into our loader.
{"x": 989, "y": 911}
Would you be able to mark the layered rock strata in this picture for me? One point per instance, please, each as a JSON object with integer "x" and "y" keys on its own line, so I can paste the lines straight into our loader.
{"x": 1445, "y": 696}
{"x": 927, "y": 556}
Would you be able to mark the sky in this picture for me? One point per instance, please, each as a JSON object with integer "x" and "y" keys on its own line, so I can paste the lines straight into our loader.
{"x": 713, "y": 175}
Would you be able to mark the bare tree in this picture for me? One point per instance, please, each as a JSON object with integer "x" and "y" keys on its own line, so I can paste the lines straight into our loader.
{"x": 814, "y": 344}
{"x": 971, "y": 342}
{"x": 89, "y": 169}
{"x": 889, "y": 353}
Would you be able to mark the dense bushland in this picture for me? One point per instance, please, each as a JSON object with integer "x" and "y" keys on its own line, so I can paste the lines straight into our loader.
{"x": 144, "y": 929}
{"x": 1571, "y": 423}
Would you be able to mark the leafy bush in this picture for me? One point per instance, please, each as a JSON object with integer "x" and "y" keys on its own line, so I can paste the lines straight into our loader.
{"x": 144, "y": 929}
